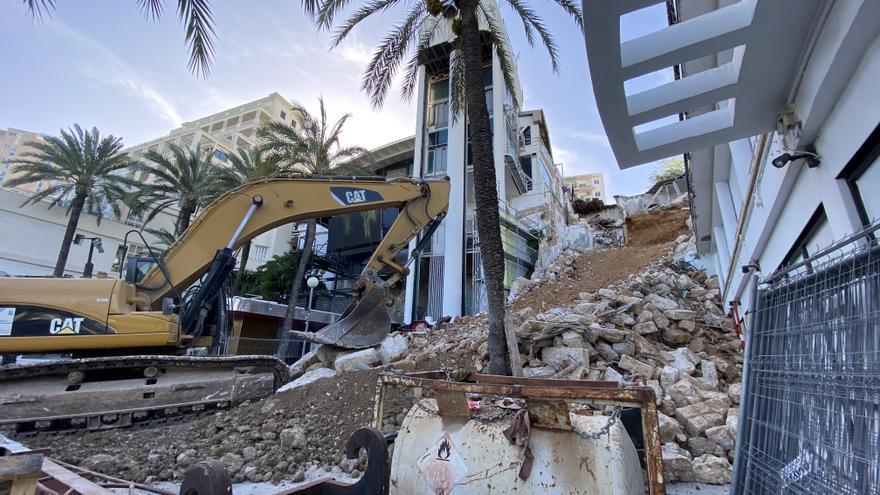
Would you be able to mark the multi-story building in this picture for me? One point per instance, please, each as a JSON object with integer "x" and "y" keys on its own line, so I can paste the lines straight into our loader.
{"x": 447, "y": 278}
{"x": 587, "y": 186}
{"x": 13, "y": 144}
{"x": 223, "y": 133}
{"x": 33, "y": 232}
{"x": 774, "y": 105}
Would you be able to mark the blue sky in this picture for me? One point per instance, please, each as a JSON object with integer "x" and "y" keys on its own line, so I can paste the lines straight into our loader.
{"x": 100, "y": 63}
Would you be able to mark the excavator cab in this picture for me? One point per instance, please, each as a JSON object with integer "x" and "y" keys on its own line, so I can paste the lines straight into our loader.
{"x": 136, "y": 267}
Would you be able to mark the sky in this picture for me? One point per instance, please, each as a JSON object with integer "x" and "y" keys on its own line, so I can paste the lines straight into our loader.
{"x": 101, "y": 63}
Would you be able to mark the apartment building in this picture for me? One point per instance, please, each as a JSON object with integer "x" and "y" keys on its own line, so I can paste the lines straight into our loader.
{"x": 774, "y": 105}
{"x": 587, "y": 186}
{"x": 223, "y": 133}
{"x": 34, "y": 232}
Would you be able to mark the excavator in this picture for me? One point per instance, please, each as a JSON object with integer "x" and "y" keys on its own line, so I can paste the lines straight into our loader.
{"x": 128, "y": 345}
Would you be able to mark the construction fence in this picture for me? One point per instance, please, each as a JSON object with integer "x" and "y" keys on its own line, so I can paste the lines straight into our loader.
{"x": 810, "y": 420}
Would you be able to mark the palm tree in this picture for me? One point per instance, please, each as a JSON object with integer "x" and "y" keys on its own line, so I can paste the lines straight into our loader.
{"x": 79, "y": 166}
{"x": 311, "y": 148}
{"x": 246, "y": 165}
{"x": 186, "y": 179}
{"x": 403, "y": 43}
{"x": 194, "y": 14}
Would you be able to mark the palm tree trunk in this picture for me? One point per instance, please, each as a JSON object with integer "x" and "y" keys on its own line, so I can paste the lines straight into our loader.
{"x": 245, "y": 254}
{"x": 183, "y": 218}
{"x": 295, "y": 288}
{"x": 76, "y": 208}
{"x": 485, "y": 191}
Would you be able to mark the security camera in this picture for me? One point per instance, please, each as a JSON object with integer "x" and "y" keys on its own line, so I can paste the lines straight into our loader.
{"x": 782, "y": 160}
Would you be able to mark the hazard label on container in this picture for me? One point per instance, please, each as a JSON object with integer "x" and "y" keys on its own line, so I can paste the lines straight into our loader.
{"x": 442, "y": 467}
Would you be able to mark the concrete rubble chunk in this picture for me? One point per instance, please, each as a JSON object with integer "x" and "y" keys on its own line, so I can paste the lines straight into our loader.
{"x": 624, "y": 348}
{"x": 697, "y": 418}
{"x": 710, "y": 372}
{"x": 357, "y": 360}
{"x": 612, "y": 375}
{"x": 607, "y": 352}
{"x": 661, "y": 321}
{"x": 734, "y": 391}
{"x": 658, "y": 391}
{"x": 293, "y": 438}
{"x": 722, "y": 435}
{"x": 609, "y": 335}
{"x": 539, "y": 371}
{"x": 661, "y": 302}
{"x": 689, "y": 390}
{"x": 392, "y": 348}
{"x": 711, "y": 469}
{"x": 233, "y": 462}
{"x": 102, "y": 463}
{"x": 668, "y": 377}
{"x": 677, "y": 463}
{"x": 309, "y": 377}
{"x": 698, "y": 446}
{"x": 676, "y": 336}
{"x": 670, "y": 430}
{"x": 636, "y": 367}
{"x": 562, "y": 357}
{"x": 681, "y": 359}
{"x": 607, "y": 293}
{"x": 680, "y": 314}
{"x": 687, "y": 325}
{"x": 571, "y": 338}
{"x": 645, "y": 328}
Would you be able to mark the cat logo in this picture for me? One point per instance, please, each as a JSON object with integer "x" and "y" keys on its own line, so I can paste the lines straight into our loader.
{"x": 356, "y": 196}
{"x": 67, "y": 326}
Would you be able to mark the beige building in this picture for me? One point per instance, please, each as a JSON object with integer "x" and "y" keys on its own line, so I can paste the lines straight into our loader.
{"x": 587, "y": 186}
{"x": 14, "y": 144}
{"x": 34, "y": 232}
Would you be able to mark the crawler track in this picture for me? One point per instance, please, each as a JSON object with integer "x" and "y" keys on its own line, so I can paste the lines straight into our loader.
{"x": 140, "y": 391}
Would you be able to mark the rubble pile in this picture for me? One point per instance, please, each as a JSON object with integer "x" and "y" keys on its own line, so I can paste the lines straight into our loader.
{"x": 620, "y": 315}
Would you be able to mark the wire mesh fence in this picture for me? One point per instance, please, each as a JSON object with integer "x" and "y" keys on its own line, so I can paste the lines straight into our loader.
{"x": 265, "y": 347}
{"x": 811, "y": 402}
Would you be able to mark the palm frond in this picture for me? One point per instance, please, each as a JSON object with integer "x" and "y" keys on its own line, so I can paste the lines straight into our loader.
{"x": 372, "y": 7}
{"x": 392, "y": 50}
{"x": 573, "y": 10}
{"x": 326, "y": 12}
{"x": 38, "y": 7}
{"x": 196, "y": 16}
{"x": 152, "y": 9}
{"x": 531, "y": 20}
{"x": 505, "y": 59}
{"x": 412, "y": 67}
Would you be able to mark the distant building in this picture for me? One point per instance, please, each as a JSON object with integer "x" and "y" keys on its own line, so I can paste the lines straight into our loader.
{"x": 14, "y": 144}
{"x": 224, "y": 132}
{"x": 33, "y": 234}
{"x": 587, "y": 186}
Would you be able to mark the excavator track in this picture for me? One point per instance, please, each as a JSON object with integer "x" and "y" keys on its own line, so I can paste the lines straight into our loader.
{"x": 130, "y": 391}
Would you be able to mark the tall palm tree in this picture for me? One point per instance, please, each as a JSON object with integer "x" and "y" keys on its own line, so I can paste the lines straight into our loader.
{"x": 194, "y": 14}
{"x": 79, "y": 166}
{"x": 244, "y": 166}
{"x": 313, "y": 148}
{"x": 186, "y": 179}
{"x": 403, "y": 43}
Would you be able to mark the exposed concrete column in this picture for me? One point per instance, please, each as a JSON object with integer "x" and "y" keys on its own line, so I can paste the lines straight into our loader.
{"x": 418, "y": 155}
{"x": 453, "y": 247}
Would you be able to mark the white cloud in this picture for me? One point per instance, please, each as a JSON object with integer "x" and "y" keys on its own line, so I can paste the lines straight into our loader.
{"x": 590, "y": 137}
{"x": 106, "y": 68}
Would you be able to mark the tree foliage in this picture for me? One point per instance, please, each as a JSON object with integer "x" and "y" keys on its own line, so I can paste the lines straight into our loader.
{"x": 671, "y": 168}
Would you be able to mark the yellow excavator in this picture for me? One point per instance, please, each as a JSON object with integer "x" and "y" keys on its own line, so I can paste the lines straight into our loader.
{"x": 128, "y": 344}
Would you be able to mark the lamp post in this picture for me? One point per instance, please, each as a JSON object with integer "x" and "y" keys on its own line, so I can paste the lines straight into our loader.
{"x": 312, "y": 282}
{"x": 95, "y": 243}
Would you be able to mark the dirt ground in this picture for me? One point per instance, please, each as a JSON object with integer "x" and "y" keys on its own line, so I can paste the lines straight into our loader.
{"x": 649, "y": 236}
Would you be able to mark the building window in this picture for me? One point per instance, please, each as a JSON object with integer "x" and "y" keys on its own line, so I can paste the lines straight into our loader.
{"x": 283, "y": 115}
{"x": 435, "y": 164}
{"x": 220, "y": 155}
{"x": 815, "y": 236}
{"x": 439, "y": 114}
{"x": 595, "y": 182}
{"x": 862, "y": 175}
{"x": 526, "y": 137}
{"x": 259, "y": 253}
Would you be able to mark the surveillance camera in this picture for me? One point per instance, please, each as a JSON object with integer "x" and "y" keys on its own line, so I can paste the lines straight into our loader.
{"x": 782, "y": 160}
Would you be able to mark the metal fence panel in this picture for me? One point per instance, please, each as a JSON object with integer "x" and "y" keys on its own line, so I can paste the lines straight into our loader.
{"x": 811, "y": 400}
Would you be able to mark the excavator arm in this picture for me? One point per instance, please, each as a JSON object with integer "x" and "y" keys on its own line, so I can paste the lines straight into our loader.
{"x": 245, "y": 212}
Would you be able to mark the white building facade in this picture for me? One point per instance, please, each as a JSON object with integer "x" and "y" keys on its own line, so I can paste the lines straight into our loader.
{"x": 447, "y": 278}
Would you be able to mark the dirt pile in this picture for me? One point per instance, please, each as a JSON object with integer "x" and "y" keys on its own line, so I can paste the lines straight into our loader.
{"x": 636, "y": 314}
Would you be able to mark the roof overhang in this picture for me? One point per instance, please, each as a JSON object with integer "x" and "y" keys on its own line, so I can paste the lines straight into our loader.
{"x": 758, "y": 47}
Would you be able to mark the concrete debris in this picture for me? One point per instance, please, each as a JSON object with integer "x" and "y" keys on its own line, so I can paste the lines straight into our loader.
{"x": 660, "y": 326}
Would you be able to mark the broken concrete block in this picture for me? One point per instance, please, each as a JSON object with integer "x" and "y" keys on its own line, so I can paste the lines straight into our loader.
{"x": 609, "y": 335}
{"x": 712, "y": 469}
{"x": 644, "y": 346}
{"x": 624, "y": 348}
{"x": 645, "y": 328}
{"x": 710, "y": 372}
{"x": 697, "y": 418}
{"x": 668, "y": 377}
{"x": 658, "y": 391}
{"x": 677, "y": 463}
{"x": 689, "y": 390}
{"x": 392, "y": 348}
{"x": 637, "y": 367}
{"x": 607, "y": 352}
{"x": 681, "y": 359}
{"x": 308, "y": 377}
{"x": 562, "y": 357}
{"x": 607, "y": 293}
{"x": 357, "y": 360}
{"x": 670, "y": 430}
{"x": 571, "y": 338}
{"x": 661, "y": 302}
{"x": 612, "y": 375}
{"x": 675, "y": 336}
{"x": 687, "y": 325}
{"x": 734, "y": 392}
{"x": 680, "y": 314}
{"x": 293, "y": 438}
{"x": 539, "y": 371}
{"x": 661, "y": 321}
{"x": 722, "y": 435}
{"x": 698, "y": 446}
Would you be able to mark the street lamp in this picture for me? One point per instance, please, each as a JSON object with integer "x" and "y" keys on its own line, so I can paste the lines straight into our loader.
{"x": 95, "y": 243}
{"x": 312, "y": 282}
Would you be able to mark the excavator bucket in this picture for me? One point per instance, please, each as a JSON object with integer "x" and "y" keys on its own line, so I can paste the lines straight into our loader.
{"x": 364, "y": 324}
